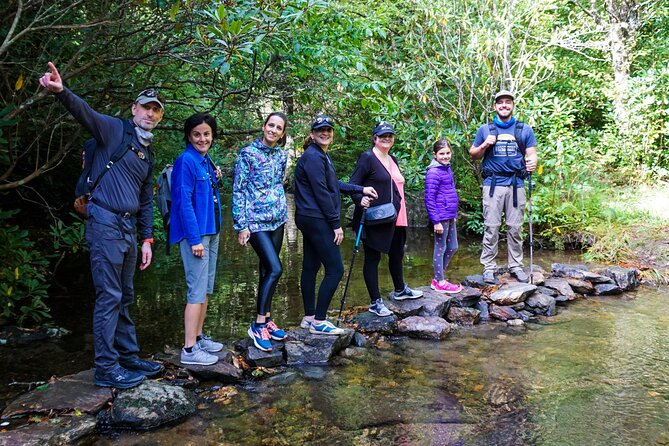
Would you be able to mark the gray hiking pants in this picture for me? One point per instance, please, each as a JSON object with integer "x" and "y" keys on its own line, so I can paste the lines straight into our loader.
{"x": 493, "y": 207}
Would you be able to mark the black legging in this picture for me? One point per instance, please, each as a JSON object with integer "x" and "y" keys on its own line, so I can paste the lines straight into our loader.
{"x": 370, "y": 269}
{"x": 319, "y": 248}
{"x": 267, "y": 244}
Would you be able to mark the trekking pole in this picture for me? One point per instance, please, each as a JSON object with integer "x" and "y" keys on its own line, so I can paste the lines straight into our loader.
{"x": 529, "y": 212}
{"x": 350, "y": 269}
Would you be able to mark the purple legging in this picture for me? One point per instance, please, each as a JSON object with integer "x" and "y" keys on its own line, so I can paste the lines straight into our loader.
{"x": 445, "y": 245}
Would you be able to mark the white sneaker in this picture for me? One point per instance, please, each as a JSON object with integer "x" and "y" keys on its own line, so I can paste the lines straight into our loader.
{"x": 306, "y": 323}
{"x": 325, "y": 328}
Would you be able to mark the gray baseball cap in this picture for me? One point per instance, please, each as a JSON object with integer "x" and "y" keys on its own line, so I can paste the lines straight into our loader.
{"x": 149, "y": 95}
{"x": 504, "y": 94}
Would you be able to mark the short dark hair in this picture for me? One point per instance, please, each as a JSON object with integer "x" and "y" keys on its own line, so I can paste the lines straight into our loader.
{"x": 442, "y": 143}
{"x": 197, "y": 119}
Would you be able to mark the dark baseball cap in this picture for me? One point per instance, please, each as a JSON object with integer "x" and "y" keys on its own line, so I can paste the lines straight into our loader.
{"x": 322, "y": 121}
{"x": 149, "y": 95}
{"x": 383, "y": 128}
{"x": 504, "y": 94}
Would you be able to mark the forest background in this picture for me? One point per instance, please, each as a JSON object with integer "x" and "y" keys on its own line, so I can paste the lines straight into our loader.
{"x": 591, "y": 78}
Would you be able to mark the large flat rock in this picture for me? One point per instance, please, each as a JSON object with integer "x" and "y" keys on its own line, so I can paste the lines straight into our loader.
{"x": 512, "y": 293}
{"x": 303, "y": 347}
{"x": 367, "y": 322}
{"x": 69, "y": 393}
{"x": 55, "y": 431}
{"x": 578, "y": 272}
{"x": 223, "y": 371}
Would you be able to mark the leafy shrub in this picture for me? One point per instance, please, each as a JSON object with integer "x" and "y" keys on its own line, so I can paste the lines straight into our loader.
{"x": 23, "y": 276}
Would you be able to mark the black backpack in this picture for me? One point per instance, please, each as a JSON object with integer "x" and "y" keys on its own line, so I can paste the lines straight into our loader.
{"x": 163, "y": 199}
{"x": 517, "y": 134}
{"x": 85, "y": 184}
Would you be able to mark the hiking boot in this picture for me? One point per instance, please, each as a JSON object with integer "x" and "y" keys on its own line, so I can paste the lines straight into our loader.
{"x": 197, "y": 356}
{"x": 520, "y": 275}
{"x": 378, "y": 308}
{"x": 325, "y": 327}
{"x": 447, "y": 287}
{"x": 406, "y": 293}
{"x": 146, "y": 368}
{"x": 260, "y": 336}
{"x": 306, "y": 323}
{"x": 489, "y": 277}
{"x": 274, "y": 331}
{"x": 118, "y": 377}
{"x": 208, "y": 344}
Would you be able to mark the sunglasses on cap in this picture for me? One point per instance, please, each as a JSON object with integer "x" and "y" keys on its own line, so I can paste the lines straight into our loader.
{"x": 323, "y": 119}
{"x": 149, "y": 93}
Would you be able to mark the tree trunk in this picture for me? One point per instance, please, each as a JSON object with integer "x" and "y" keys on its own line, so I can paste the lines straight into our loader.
{"x": 620, "y": 46}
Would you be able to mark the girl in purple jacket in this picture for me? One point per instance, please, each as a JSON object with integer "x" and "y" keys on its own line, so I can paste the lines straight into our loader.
{"x": 441, "y": 201}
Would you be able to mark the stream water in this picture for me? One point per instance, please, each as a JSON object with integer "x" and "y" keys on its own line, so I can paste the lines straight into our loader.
{"x": 595, "y": 374}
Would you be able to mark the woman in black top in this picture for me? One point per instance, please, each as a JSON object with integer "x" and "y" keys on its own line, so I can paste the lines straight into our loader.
{"x": 317, "y": 215}
{"x": 377, "y": 168}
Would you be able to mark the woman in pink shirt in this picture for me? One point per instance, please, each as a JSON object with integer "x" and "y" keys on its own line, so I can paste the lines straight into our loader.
{"x": 377, "y": 168}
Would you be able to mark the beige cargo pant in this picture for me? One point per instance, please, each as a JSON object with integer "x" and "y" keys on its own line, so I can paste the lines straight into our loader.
{"x": 493, "y": 207}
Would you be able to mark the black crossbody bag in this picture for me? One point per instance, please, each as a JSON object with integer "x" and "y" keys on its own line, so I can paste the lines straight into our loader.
{"x": 384, "y": 213}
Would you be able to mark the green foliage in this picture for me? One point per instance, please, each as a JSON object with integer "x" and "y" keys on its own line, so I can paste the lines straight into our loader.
{"x": 428, "y": 66}
{"x": 69, "y": 238}
{"x": 23, "y": 276}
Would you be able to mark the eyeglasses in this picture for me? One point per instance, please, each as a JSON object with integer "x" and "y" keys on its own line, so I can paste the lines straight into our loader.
{"x": 386, "y": 136}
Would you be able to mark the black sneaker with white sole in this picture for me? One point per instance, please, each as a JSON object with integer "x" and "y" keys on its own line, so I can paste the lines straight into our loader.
{"x": 406, "y": 293}
{"x": 118, "y": 377}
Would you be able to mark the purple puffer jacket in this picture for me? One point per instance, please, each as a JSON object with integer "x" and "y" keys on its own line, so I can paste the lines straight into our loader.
{"x": 441, "y": 198}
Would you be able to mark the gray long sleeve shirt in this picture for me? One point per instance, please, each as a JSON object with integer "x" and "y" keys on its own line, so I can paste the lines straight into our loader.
{"x": 128, "y": 186}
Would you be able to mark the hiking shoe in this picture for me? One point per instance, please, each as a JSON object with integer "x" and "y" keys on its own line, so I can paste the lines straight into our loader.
{"x": 306, "y": 323}
{"x": 198, "y": 356}
{"x": 325, "y": 327}
{"x": 260, "y": 336}
{"x": 378, "y": 308}
{"x": 520, "y": 275}
{"x": 447, "y": 287}
{"x": 489, "y": 277}
{"x": 406, "y": 293}
{"x": 118, "y": 377}
{"x": 208, "y": 344}
{"x": 136, "y": 364}
{"x": 275, "y": 332}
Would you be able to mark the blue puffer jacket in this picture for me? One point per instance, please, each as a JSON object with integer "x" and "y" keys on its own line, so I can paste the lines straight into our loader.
{"x": 441, "y": 198}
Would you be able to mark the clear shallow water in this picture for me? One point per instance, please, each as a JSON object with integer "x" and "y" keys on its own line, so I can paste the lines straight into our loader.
{"x": 597, "y": 374}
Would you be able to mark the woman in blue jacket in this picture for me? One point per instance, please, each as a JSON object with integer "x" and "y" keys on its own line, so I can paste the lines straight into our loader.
{"x": 195, "y": 225}
{"x": 317, "y": 216}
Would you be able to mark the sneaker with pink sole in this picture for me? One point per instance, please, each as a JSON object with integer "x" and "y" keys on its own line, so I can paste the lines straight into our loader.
{"x": 447, "y": 287}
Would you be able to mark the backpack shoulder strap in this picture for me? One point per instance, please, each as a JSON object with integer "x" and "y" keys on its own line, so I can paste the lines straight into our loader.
{"x": 128, "y": 133}
{"x": 492, "y": 128}
{"x": 518, "y": 135}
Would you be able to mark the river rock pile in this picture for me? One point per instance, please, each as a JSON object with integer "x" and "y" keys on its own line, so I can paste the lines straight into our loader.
{"x": 434, "y": 315}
